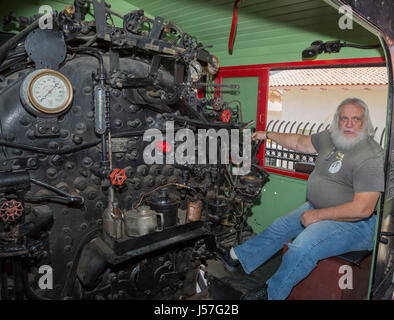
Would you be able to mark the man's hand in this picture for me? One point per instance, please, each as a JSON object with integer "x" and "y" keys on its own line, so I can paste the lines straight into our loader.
{"x": 309, "y": 217}
{"x": 259, "y": 135}
{"x": 361, "y": 207}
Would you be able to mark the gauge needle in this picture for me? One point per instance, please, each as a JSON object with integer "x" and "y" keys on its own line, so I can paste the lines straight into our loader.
{"x": 49, "y": 92}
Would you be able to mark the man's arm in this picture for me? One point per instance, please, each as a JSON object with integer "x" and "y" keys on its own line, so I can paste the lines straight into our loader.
{"x": 298, "y": 142}
{"x": 361, "y": 207}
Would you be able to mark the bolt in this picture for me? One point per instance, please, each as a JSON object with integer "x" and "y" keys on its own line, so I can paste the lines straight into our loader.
{"x": 68, "y": 240}
{"x": 64, "y": 133}
{"x": 66, "y": 230}
{"x": 81, "y": 127}
{"x": 150, "y": 120}
{"x": 51, "y": 172}
{"x": 32, "y": 163}
{"x": 133, "y": 108}
{"x": 118, "y": 123}
{"x": 42, "y": 129}
{"x": 91, "y": 193}
{"x": 69, "y": 165}
{"x": 99, "y": 205}
{"x": 87, "y": 90}
{"x": 87, "y": 162}
{"x": 80, "y": 183}
{"x": 67, "y": 249}
{"x": 55, "y": 129}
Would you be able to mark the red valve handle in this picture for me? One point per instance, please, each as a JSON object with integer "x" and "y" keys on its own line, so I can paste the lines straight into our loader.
{"x": 226, "y": 115}
{"x": 118, "y": 176}
{"x": 11, "y": 210}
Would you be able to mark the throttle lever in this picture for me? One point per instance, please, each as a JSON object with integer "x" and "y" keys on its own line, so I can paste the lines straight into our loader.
{"x": 255, "y": 148}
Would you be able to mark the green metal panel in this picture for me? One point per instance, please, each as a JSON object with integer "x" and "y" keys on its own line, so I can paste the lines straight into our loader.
{"x": 247, "y": 95}
{"x": 279, "y": 196}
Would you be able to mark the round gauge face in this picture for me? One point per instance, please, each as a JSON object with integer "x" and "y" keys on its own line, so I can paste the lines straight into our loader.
{"x": 50, "y": 91}
{"x": 195, "y": 70}
{"x": 213, "y": 67}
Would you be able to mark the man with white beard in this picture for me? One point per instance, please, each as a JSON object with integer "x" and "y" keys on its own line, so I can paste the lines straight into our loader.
{"x": 337, "y": 217}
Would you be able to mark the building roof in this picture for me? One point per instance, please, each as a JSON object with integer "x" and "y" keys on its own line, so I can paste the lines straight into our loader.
{"x": 330, "y": 77}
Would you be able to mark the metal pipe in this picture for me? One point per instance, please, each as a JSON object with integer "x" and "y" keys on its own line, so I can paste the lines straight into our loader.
{"x": 4, "y": 49}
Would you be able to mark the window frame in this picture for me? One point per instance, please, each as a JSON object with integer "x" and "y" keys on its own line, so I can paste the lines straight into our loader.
{"x": 262, "y": 71}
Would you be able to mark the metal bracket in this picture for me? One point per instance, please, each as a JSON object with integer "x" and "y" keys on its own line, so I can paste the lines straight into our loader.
{"x": 47, "y": 128}
{"x": 100, "y": 18}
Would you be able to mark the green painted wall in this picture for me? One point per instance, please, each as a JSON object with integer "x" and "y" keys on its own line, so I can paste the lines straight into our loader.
{"x": 246, "y": 94}
{"x": 279, "y": 196}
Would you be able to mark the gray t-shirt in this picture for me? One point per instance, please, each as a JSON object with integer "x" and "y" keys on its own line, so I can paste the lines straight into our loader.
{"x": 339, "y": 174}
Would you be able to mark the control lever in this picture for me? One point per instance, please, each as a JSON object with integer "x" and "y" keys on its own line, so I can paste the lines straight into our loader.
{"x": 255, "y": 161}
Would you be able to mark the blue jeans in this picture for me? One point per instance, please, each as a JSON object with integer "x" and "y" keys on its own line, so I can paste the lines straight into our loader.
{"x": 318, "y": 241}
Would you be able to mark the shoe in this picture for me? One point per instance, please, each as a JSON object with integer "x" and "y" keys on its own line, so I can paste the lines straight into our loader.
{"x": 229, "y": 263}
{"x": 259, "y": 293}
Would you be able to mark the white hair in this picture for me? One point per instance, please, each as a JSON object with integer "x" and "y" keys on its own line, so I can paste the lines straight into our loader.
{"x": 339, "y": 139}
{"x": 367, "y": 119}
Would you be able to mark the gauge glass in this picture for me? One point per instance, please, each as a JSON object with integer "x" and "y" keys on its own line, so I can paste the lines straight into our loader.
{"x": 50, "y": 91}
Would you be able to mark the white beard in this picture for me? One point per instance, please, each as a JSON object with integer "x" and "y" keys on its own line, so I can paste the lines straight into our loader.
{"x": 344, "y": 143}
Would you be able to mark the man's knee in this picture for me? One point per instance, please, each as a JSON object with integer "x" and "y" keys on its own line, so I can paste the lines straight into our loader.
{"x": 303, "y": 253}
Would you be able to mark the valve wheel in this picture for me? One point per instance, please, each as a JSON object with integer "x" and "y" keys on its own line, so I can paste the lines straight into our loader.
{"x": 226, "y": 115}
{"x": 118, "y": 176}
{"x": 11, "y": 210}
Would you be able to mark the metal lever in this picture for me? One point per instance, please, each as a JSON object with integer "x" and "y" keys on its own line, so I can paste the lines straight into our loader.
{"x": 385, "y": 234}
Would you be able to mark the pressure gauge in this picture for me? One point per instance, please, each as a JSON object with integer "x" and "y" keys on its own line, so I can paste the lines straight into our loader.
{"x": 195, "y": 70}
{"x": 213, "y": 67}
{"x": 47, "y": 91}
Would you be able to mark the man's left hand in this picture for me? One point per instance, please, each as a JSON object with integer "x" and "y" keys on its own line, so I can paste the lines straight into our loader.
{"x": 309, "y": 217}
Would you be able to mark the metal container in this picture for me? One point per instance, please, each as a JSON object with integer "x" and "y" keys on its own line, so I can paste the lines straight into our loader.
{"x": 193, "y": 212}
{"x": 164, "y": 204}
{"x": 142, "y": 221}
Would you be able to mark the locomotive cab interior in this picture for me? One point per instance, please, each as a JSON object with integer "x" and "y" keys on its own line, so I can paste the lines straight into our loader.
{"x": 111, "y": 114}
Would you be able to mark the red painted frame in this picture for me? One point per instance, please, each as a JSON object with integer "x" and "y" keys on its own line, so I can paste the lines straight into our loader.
{"x": 262, "y": 72}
